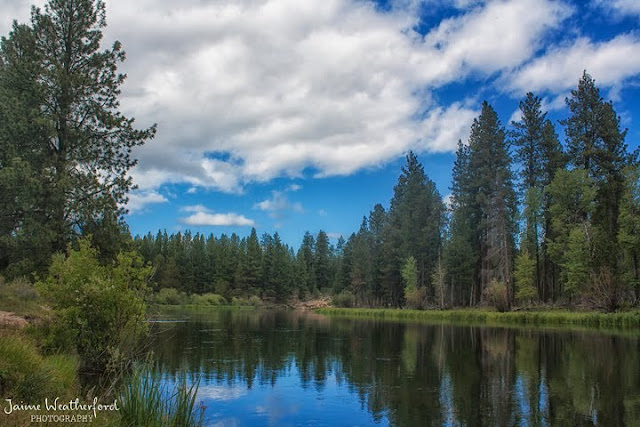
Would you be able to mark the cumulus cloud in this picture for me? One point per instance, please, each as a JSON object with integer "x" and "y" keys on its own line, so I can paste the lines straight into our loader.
{"x": 203, "y": 216}
{"x": 246, "y": 91}
{"x": 139, "y": 200}
{"x": 560, "y": 67}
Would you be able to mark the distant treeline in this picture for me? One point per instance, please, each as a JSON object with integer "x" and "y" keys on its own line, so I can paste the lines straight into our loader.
{"x": 529, "y": 220}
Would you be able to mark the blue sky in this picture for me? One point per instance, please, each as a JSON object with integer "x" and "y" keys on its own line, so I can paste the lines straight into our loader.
{"x": 292, "y": 115}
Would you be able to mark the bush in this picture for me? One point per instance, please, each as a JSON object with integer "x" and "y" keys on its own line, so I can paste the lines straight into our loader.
{"x": 208, "y": 299}
{"x": 171, "y": 296}
{"x": 495, "y": 295}
{"x": 416, "y": 298}
{"x": 99, "y": 309}
{"x": 26, "y": 375}
{"x": 344, "y": 299}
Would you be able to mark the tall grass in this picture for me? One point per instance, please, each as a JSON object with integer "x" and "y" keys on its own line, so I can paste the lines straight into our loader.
{"x": 629, "y": 319}
{"x": 27, "y": 375}
{"x": 147, "y": 402}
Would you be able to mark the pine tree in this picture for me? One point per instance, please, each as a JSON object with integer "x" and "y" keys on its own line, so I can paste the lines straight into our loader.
{"x": 492, "y": 204}
{"x": 322, "y": 259}
{"x": 416, "y": 217}
{"x": 80, "y": 153}
{"x": 596, "y": 144}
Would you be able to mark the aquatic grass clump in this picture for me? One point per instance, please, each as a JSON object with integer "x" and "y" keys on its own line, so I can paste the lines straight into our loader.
{"x": 147, "y": 402}
{"x": 629, "y": 319}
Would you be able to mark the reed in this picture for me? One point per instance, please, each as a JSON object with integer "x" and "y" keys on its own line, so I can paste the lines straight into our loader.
{"x": 147, "y": 402}
{"x": 630, "y": 319}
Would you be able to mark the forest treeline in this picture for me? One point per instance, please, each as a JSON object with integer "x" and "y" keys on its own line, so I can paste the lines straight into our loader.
{"x": 530, "y": 220}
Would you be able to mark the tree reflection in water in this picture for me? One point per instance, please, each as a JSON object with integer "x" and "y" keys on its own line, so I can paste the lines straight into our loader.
{"x": 404, "y": 373}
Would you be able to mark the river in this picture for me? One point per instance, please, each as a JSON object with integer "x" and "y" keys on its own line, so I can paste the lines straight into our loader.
{"x": 299, "y": 368}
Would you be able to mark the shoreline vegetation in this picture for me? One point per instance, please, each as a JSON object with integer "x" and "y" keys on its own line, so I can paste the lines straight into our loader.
{"x": 482, "y": 316}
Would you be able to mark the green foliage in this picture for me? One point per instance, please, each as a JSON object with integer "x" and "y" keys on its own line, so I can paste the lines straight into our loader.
{"x": 344, "y": 299}
{"x": 170, "y": 296}
{"x": 495, "y": 294}
{"x": 572, "y": 207}
{"x": 27, "y": 375}
{"x": 577, "y": 262}
{"x": 412, "y": 228}
{"x": 99, "y": 309}
{"x": 146, "y": 402}
{"x": 415, "y": 297}
{"x": 66, "y": 147}
{"x": 525, "y": 278}
{"x": 207, "y": 299}
{"x": 628, "y": 320}
{"x": 629, "y": 234}
{"x": 410, "y": 274}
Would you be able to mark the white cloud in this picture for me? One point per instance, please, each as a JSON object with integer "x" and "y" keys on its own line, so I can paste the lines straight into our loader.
{"x": 278, "y": 205}
{"x": 203, "y": 216}
{"x": 279, "y": 86}
{"x": 334, "y": 235}
{"x": 250, "y": 90}
{"x": 622, "y": 7}
{"x": 322, "y": 212}
{"x": 294, "y": 187}
{"x": 609, "y": 62}
{"x": 195, "y": 208}
{"x": 139, "y": 200}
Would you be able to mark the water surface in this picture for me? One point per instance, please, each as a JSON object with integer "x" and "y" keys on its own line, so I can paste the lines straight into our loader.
{"x": 299, "y": 368}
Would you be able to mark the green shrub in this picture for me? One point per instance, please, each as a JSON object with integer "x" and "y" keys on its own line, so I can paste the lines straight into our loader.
{"x": 208, "y": 299}
{"x": 416, "y": 299}
{"x": 99, "y": 309}
{"x": 344, "y": 299}
{"x": 147, "y": 402}
{"x": 495, "y": 295}
{"x": 171, "y": 296}
{"x": 27, "y": 375}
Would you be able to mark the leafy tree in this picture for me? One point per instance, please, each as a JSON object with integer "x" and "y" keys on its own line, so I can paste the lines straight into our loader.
{"x": 573, "y": 197}
{"x": 525, "y": 278}
{"x": 99, "y": 309}
{"x": 414, "y": 296}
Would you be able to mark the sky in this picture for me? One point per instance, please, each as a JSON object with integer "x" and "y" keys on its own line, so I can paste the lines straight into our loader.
{"x": 296, "y": 115}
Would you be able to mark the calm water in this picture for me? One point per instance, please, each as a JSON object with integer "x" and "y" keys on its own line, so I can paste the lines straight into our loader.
{"x": 290, "y": 368}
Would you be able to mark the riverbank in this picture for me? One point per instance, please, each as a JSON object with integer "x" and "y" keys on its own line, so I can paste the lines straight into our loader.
{"x": 625, "y": 320}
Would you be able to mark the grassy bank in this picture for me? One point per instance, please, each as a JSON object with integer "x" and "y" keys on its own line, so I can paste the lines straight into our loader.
{"x": 627, "y": 320}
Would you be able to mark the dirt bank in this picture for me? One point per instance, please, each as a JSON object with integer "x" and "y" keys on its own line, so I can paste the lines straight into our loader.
{"x": 10, "y": 319}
